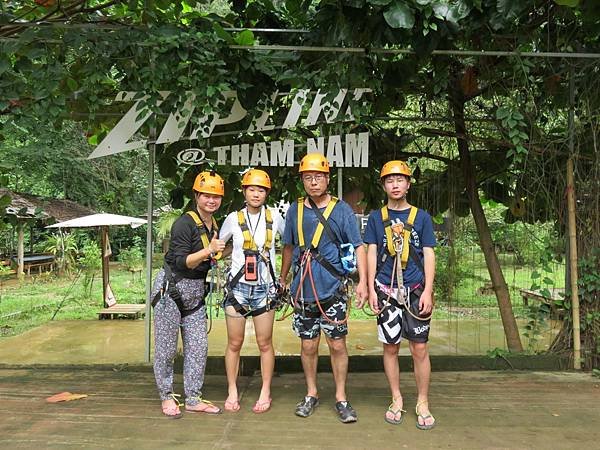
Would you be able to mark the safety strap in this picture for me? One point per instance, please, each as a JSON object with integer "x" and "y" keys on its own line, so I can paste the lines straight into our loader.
{"x": 170, "y": 287}
{"x": 242, "y": 311}
{"x": 240, "y": 273}
{"x": 408, "y": 226}
{"x": 249, "y": 243}
{"x": 319, "y": 230}
{"x": 203, "y": 231}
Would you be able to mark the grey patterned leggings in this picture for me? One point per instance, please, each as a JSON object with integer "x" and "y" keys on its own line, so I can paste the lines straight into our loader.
{"x": 167, "y": 323}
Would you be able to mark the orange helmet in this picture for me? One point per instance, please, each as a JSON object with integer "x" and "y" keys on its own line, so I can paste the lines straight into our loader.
{"x": 314, "y": 162}
{"x": 209, "y": 183}
{"x": 256, "y": 177}
{"x": 395, "y": 168}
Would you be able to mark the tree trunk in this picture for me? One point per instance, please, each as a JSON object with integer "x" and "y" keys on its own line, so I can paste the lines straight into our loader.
{"x": 513, "y": 340}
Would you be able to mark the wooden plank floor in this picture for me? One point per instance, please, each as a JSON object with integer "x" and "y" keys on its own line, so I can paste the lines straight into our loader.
{"x": 473, "y": 409}
{"x": 131, "y": 310}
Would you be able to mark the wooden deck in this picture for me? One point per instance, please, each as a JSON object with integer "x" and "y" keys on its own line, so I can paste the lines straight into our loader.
{"x": 125, "y": 310}
{"x": 556, "y": 295}
{"x": 511, "y": 409}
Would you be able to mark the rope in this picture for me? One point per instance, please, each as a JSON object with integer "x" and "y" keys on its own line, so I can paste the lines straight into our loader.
{"x": 402, "y": 296}
{"x": 306, "y": 261}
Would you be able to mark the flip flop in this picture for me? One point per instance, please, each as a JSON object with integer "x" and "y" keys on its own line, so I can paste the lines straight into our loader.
{"x": 424, "y": 418}
{"x": 259, "y": 407}
{"x": 172, "y": 412}
{"x": 232, "y": 406}
{"x": 395, "y": 412}
{"x": 205, "y": 411}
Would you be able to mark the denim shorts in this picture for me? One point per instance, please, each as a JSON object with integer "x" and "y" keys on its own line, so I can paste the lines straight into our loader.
{"x": 250, "y": 296}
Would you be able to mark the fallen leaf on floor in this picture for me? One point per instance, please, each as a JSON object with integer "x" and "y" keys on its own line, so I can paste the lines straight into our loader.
{"x": 360, "y": 347}
{"x": 65, "y": 397}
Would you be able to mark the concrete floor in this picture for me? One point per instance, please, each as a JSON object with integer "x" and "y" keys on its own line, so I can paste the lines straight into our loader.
{"x": 513, "y": 409}
{"x": 122, "y": 341}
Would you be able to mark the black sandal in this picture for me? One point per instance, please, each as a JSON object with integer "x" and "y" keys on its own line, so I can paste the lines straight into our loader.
{"x": 345, "y": 412}
{"x": 307, "y": 406}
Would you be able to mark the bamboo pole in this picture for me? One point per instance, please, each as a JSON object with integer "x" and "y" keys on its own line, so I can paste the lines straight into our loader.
{"x": 573, "y": 231}
{"x": 573, "y": 266}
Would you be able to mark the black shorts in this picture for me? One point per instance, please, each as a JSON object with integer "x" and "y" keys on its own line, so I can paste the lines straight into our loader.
{"x": 394, "y": 323}
{"x": 306, "y": 326}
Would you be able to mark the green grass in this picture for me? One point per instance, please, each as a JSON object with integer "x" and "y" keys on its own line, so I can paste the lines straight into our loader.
{"x": 35, "y": 300}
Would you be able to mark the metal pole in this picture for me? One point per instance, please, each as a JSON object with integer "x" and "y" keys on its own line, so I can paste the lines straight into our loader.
{"x": 340, "y": 173}
{"x": 573, "y": 232}
{"x": 406, "y": 51}
{"x": 149, "y": 243}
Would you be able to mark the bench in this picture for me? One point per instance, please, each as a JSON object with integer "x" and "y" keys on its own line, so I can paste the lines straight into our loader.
{"x": 129, "y": 311}
{"x": 46, "y": 266}
{"x": 537, "y": 295}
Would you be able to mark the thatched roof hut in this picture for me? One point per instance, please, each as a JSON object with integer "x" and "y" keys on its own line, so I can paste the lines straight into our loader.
{"x": 27, "y": 207}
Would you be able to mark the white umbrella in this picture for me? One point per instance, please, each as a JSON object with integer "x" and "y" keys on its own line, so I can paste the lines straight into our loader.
{"x": 102, "y": 220}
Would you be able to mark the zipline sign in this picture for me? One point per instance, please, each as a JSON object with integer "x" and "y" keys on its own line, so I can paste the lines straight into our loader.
{"x": 350, "y": 150}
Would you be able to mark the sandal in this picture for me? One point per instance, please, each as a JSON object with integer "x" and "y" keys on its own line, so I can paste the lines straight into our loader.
{"x": 172, "y": 411}
{"x": 261, "y": 407}
{"x": 424, "y": 426}
{"x": 345, "y": 412}
{"x": 394, "y": 413}
{"x": 216, "y": 410}
{"x": 232, "y": 405}
{"x": 307, "y": 406}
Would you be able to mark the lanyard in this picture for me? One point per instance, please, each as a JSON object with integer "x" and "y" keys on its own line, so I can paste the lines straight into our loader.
{"x": 253, "y": 229}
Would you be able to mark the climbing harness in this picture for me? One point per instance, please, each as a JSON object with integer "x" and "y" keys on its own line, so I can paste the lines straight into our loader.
{"x": 405, "y": 232}
{"x": 250, "y": 269}
{"x": 171, "y": 279}
{"x": 308, "y": 253}
{"x": 398, "y": 246}
{"x": 203, "y": 229}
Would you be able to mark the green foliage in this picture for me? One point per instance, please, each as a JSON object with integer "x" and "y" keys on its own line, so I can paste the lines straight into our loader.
{"x": 165, "y": 222}
{"x": 399, "y": 15}
{"x": 498, "y": 353}
{"x": 64, "y": 248}
{"x": 513, "y": 122}
{"x": 450, "y": 271}
{"x": 133, "y": 257}
{"x": 90, "y": 262}
{"x": 589, "y": 294}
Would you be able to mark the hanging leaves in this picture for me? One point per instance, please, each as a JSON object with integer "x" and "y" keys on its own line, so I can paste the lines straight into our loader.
{"x": 399, "y": 15}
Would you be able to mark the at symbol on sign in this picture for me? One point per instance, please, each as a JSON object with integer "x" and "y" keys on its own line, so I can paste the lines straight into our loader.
{"x": 191, "y": 156}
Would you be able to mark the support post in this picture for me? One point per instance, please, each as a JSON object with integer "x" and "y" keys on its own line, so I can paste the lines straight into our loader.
{"x": 149, "y": 243}
{"x": 105, "y": 261}
{"x": 340, "y": 183}
{"x": 573, "y": 232}
{"x": 20, "y": 249}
